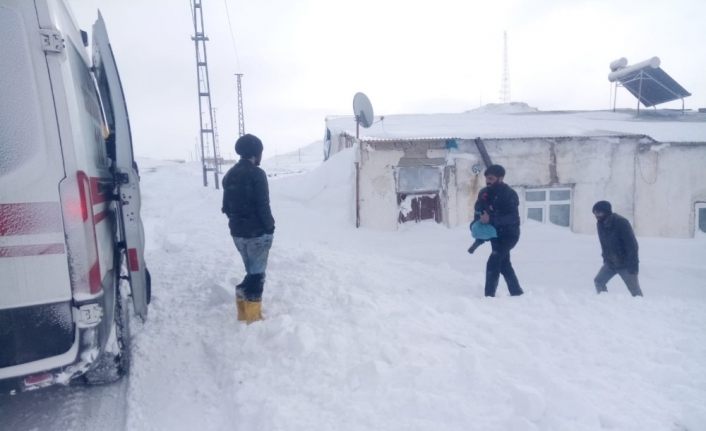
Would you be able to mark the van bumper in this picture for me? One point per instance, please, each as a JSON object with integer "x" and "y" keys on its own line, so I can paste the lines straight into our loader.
{"x": 59, "y": 369}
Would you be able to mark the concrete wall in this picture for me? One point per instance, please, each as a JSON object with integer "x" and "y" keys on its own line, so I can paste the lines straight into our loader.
{"x": 594, "y": 168}
{"x": 377, "y": 195}
{"x": 653, "y": 185}
{"x": 670, "y": 179}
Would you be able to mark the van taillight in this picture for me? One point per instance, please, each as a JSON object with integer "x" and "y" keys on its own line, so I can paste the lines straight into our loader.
{"x": 84, "y": 188}
{"x": 77, "y": 207}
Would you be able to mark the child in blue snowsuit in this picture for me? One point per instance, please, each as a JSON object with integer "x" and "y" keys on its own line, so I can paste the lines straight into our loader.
{"x": 482, "y": 232}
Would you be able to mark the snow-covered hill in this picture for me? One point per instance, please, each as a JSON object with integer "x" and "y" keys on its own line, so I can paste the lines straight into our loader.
{"x": 368, "y": 330}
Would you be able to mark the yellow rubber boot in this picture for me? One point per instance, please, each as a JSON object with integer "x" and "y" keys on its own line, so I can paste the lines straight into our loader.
{"x": 252, "y": 311}
{"x": 240, "y": 306}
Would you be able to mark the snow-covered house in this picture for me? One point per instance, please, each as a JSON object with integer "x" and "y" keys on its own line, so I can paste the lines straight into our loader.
{"x": 417, "y": 167}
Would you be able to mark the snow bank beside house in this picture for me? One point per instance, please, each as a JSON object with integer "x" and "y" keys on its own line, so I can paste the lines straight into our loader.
{"x": 368, "y": 330}
{"x": 293, "y": 163}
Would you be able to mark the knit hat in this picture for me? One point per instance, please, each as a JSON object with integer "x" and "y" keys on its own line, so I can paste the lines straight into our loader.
{"x": 248, "y": 146}
{"x": 495, "y": 170}
{"x": 602, "y": 207}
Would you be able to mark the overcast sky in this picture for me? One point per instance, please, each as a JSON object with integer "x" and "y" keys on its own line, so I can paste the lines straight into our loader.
{"x": 305, "y": 59}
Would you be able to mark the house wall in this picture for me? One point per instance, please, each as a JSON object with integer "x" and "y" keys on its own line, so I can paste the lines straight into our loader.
{"x": 377, "y": 201}
{"x": 595, "y": 168}
{"x": 670, "y": 179}
{"x": 377, "y": 183}
{"x": 653, "y": 185}
{"x": 464, "y": 184}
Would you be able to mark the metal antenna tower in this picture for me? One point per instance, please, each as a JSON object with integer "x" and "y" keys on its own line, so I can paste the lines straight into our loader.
{"x": 209, "y": 146}
{"x": 505, "y": 83}
{"x": 241, "y": 114}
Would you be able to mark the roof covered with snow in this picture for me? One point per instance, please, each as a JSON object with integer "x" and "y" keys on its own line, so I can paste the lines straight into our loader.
{"x": 518, "y": 120}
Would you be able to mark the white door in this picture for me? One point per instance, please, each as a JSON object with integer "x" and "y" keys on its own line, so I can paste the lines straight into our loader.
{"x": 125, "y": 168}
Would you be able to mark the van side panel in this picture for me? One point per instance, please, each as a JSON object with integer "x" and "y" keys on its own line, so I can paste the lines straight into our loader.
{"x": 33, "y": 268}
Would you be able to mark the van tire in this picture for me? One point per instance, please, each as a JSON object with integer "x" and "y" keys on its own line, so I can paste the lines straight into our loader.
{"x": 114, "y": 361}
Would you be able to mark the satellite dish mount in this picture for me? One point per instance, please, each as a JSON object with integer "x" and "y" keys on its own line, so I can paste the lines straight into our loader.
{"x": 363, "y": 111}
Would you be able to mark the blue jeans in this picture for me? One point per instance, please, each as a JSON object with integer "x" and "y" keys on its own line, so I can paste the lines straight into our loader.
{"x": 254, "y": 252}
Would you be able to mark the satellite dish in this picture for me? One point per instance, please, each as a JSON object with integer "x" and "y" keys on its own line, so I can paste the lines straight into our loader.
{"x": 363, "y": 110}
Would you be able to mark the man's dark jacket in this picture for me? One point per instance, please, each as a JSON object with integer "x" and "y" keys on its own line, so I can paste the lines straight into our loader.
{"x": 246, "y": 201}
{"x": 503, "y": 203}
{"x": 618, "y": 243}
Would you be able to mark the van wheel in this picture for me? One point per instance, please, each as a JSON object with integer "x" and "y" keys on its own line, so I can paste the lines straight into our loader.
{"x": 114, "y": 361}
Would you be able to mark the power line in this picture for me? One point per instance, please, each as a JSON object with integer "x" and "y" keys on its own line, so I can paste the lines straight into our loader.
{"x": 232, "y": 37}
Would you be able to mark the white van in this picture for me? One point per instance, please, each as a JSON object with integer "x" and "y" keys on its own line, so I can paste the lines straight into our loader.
{"x": 70, "y": 228}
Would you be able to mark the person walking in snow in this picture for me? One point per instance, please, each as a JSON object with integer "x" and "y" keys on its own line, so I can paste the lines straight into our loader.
{"x": 246, "y": 202}
{"x": 618, "y": 248}
{"x": 503, "y": 214}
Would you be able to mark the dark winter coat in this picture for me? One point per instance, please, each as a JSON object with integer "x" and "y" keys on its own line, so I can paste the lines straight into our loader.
{"x": 618, "y": 243}
{"x": 246, "y": 201}
{"x": 502, "y": 205}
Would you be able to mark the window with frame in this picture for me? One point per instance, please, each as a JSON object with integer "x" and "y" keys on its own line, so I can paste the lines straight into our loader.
{"x": 87, "y": 98}
{"x": 418, "y": 179}
{"x": 418, "y": 189}
{"x": 549, "y": 205}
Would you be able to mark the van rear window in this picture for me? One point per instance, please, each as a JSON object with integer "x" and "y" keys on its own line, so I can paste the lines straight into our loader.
{"x": 20, "y": 114}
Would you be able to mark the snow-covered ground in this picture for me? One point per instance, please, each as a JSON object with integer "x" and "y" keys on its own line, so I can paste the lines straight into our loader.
{"x": 368, "y": 330}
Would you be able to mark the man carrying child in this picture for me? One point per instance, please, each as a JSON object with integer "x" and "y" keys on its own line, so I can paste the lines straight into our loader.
{"x": 498, "y": 205}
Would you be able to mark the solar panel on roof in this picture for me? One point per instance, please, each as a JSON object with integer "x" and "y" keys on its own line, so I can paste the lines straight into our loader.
{"x": 649, "y": 83}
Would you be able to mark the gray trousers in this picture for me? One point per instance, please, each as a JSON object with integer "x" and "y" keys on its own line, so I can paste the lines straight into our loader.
{"x": 606, "y": 273}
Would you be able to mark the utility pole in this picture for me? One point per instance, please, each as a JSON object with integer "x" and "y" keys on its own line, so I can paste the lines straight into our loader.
{"x": 505, "y": 82}
{"x": 241, "y": 114}
{"x": 215, "y": 139}
{"x": 209, "y": 147}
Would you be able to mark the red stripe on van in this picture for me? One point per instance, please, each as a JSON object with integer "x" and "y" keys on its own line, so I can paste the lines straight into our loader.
{"x": 97, "y": 195}
{"x": 99, "y": 217}
{"x": 30, "y": 218}
{"x": 31, "y": 250}
{"x": 132, "y": 260}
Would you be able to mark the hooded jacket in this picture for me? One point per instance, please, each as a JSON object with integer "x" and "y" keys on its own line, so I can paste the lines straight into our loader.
{"x": 246, "y": 201}
{"x": 618, "y": 243}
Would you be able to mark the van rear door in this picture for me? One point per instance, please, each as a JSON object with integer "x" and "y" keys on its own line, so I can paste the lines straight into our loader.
{"x": 131, "y": 228}
{"x": 35, "y": 288}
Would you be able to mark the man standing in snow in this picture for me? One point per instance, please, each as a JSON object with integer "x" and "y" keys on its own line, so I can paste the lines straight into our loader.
{"x": 246, "y": 202}
{"x": 504, "y": 215}
{"x": 619, "y": 249}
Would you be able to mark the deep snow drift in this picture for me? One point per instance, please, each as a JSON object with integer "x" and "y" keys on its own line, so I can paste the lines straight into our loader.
{"x": 369, "y": 330}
